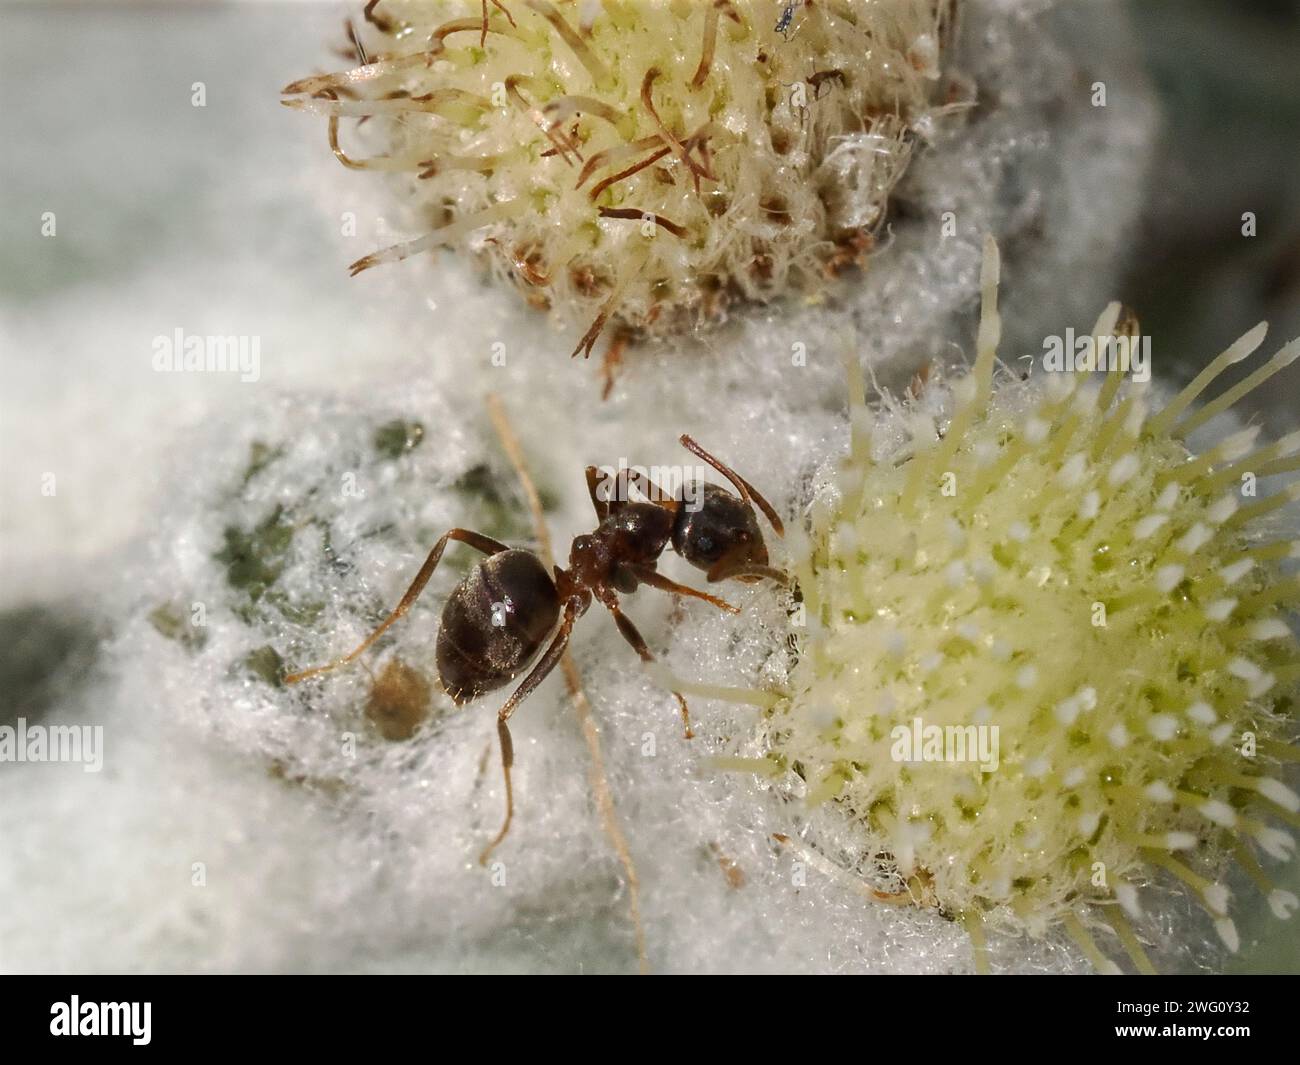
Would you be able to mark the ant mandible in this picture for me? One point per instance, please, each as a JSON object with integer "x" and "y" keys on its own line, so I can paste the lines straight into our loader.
{"x": 496, "y": 620}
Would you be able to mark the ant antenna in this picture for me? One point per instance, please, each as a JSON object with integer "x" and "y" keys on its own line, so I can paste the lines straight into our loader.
{"x": 747, "y": 491}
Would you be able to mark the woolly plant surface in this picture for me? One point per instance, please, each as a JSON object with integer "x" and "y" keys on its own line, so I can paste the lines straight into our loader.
{"x": 320, "y": 860}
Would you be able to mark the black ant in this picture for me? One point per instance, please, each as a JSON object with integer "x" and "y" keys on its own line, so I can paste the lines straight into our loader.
{"x": 496, "y": 620}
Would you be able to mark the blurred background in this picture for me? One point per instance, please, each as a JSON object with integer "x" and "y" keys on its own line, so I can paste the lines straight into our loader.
{"x": 169, "y": 214}
{"x": 1226, "y": 76}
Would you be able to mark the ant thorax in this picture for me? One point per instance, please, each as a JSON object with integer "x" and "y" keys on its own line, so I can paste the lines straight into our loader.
{"x": 634, "y": 535}
{"x": 638, "y": 532}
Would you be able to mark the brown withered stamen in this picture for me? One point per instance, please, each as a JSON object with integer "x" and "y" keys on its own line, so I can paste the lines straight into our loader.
{"x": 564, "y": 106}
{"x": 678, "y": 149}
{"x": 706, "y": 52}
{"x": 549, "y": 129}
{"x": 500, "y": 7}
{"x": 614, "y": 179}
{"x": 637, "y": 215}
{"x": 711, "y": 39}
{"x": 523, "y": 262}
{"x": 438, "y": 38}
{"x": 479, "y": 164}
{"x": 378, "y": 66}
{"x": 612, "y": 359}
{"x": 599, "y": 74}
{"x": 381, "y": 22}
{"x": 608, "y": 155}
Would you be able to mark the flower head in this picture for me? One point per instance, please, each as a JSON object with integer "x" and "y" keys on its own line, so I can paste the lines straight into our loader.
{"x": 643, "y": 164}
{"x": 1047, "y": 653}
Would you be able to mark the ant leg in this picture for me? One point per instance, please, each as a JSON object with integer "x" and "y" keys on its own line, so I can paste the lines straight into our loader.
{"x": 655, "y": 579}
{"x": 654, "y": 493}
{"x": 724, "y": 570}
{"x": 747, "y": 491}
{"x": 539, "y": 673}
{"x": 475, "y": 540}
{"x": 594, "y": 478}
{"x": 630, "y": 634}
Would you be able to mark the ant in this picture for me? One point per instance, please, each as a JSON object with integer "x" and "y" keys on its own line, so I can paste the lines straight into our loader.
{"x": 496, "y": 620}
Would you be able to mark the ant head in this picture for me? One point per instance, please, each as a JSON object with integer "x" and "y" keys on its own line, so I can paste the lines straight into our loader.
{"x": 720, "y": 526}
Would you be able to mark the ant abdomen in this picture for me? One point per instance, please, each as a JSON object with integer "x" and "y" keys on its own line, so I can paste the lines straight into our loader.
{"x": 722, "y": 526}
{"x": 494, "y": 623}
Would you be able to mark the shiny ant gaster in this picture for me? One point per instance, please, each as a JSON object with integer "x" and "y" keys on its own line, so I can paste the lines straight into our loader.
{"x": 496, "y": 620}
